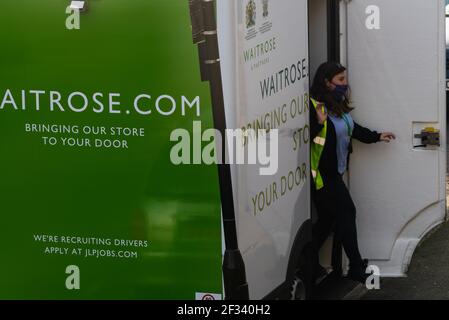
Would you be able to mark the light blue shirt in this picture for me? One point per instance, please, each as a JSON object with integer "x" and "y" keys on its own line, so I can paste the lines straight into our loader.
{"x": 343, "y": 129}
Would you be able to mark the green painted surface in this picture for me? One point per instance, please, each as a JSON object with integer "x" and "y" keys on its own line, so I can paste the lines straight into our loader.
{"x": 123, "y": 46}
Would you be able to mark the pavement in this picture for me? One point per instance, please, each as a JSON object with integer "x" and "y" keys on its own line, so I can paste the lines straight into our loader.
{"x": 336, "y": 288}
{"x": 427, "y": 277}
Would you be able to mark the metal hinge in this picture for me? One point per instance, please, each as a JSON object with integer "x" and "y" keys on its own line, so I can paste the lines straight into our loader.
{"x": 204, "y": 34}
{"x": 197, "y": 18}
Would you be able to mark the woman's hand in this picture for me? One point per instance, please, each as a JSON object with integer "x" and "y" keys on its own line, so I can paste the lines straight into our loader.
{"x": 387, "y": 136}
{"x": 321, "y": 113}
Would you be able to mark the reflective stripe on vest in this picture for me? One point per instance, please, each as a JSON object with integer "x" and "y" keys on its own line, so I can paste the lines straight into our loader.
{"x": 316, "y": 151}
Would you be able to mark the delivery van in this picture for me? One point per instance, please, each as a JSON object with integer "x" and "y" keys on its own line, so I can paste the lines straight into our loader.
{"x": 100, "y": 197}
{"x": 116, "y": 181}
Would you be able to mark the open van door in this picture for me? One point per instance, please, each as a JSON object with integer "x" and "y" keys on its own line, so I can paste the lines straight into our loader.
{"x": 84, "y": 217}
{"x": 396, "y": 66}
{"x": 271, "y": 86}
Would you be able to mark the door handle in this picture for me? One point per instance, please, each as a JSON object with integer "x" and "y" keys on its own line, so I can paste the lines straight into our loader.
{"x": 429, "y": 137}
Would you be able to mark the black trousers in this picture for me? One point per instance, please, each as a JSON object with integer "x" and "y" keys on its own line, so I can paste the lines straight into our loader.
{"x": 336, "y": 209}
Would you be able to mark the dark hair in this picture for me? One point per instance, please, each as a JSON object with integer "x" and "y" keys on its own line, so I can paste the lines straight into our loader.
{"x": 320, "y": 92}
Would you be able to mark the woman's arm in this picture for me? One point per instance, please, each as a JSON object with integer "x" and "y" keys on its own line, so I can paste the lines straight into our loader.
{"x": 315, "y": 126}
{"x": 365, "y": 135}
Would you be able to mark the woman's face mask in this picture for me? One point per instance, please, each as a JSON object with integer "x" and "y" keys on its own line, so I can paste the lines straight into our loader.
{"x": 339, "y": 86}
{"x": 340, "y": 91}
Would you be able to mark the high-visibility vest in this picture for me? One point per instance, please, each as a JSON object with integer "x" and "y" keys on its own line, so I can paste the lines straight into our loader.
{"x": 316, "y": 151}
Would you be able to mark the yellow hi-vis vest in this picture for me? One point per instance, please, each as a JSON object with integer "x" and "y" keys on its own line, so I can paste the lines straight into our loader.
{"x": 316, "y": 151}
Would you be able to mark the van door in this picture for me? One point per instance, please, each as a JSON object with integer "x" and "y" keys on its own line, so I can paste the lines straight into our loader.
{"x": 395, "y": 57}
{"x": 271, "y": 92}
{"x": 83, "y": 217}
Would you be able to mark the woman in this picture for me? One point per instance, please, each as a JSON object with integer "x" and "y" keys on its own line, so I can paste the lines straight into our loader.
{"x": 332, "y": 129}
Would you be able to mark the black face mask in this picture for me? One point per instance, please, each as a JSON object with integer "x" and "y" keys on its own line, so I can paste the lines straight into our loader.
{"x": 340, "y": 92}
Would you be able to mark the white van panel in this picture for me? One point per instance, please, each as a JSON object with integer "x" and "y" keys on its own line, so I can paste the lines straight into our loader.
{"x": 266, "y": 237}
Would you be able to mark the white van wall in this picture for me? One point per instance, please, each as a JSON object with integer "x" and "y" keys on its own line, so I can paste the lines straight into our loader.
{"x": 266, "y": 237}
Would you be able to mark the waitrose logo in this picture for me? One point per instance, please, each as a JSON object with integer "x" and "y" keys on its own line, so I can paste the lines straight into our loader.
{"x": 98, "y": 102}
{"x": 261, "y": 50}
